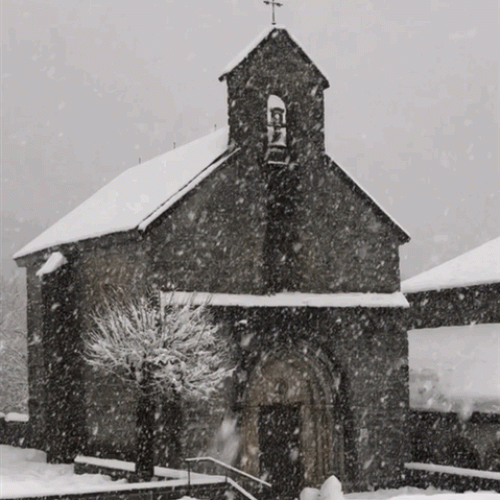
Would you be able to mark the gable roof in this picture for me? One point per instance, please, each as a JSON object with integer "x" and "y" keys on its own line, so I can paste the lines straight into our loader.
{"x": 261, "y": 38}
{"x": 138, "y": 195}
{"x": 143, "y": 193}
{"x": 403, "y": 236}
{"x": 479, "y": 266}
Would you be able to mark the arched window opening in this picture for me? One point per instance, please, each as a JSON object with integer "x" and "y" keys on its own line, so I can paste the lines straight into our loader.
{"x": 276, "y": 121}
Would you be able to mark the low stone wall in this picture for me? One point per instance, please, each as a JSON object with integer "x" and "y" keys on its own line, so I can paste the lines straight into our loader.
{"x": 452, "y": 478}
{"x": 150, "y": 491}
{"x": 445, "y": 439}
{"x": 113, "y": 473}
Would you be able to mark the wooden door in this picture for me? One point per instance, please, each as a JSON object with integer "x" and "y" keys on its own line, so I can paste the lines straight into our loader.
{"x": 279, "y": 447}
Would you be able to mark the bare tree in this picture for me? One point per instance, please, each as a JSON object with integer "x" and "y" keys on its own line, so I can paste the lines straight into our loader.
{"x": 177, "y": 353}
{"x": 13, "y": 346}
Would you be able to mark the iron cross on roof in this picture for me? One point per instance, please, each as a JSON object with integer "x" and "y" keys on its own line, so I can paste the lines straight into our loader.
{"x": 273, "y": 4}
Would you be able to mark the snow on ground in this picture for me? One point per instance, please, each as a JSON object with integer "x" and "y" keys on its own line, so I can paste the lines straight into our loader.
{"x": 455, "y": 368}
{"x": 418, "y": 494}
{"x": 25, "y": 472}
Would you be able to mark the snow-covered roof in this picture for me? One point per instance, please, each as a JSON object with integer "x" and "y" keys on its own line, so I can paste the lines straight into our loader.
{"x": 287, "y": 299}
{"x": 137, "y": 195}
{"x": 479, "y": 266}
{"x": 455, "y": 368}
{"x": 243, "y": 54}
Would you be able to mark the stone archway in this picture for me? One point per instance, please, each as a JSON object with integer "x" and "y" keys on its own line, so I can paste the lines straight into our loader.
{"x": 290, "y": 386}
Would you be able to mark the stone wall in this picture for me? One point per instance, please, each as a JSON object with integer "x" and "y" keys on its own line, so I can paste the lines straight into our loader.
{"x": 15, "y": 433}
{"x": 37, "y": 379}
{"x": 156, "y": 491}
{"x": 62, "y": 347}
{"x": 454, "y": 306}
{"x": 213, "y": 240}
{"x": 109, "y": 275}
{"x": 445, "y": 439}
{"x": 110, "y": 416}
{"x": 216, "y": 241}
{"x": 346, "y": 245}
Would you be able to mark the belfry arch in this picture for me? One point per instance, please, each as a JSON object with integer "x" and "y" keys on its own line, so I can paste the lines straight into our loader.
{"x": 306, "y": 390}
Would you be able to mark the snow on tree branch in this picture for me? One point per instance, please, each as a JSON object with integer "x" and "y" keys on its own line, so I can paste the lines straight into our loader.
{"x": 179, "y": 352}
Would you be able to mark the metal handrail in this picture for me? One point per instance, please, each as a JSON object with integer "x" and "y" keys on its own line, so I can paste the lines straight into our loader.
{"x": 226, "y": 467}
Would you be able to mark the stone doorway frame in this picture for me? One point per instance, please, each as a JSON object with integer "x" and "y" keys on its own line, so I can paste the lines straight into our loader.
{"x": 295, "y": 377}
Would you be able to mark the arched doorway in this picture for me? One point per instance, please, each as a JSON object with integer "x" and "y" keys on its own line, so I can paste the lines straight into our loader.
{"x": 291, "y": 429}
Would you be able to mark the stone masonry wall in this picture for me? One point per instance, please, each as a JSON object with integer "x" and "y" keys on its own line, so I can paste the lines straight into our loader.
{"x": 454, "y": 306}
{"x": 37, "y": 380}
{"x": 116, "y": 273}
{"x": 213, "y": 240}
{"x": 369, "y": 348}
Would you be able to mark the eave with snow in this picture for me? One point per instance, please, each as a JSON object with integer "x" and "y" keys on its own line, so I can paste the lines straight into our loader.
{"x": 462, "y": 291}
{"x": 293, "y": 300}
{"x": 138, "y": 196}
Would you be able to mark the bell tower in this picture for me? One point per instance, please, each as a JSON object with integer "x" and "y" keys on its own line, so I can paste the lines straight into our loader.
{"x": 276, "y": 118}
{"x": 275, "y": 98}
{"x": 276, "y": 147}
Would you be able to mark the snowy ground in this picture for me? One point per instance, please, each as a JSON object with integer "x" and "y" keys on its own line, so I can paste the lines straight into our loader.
{"x": 24, "y": 472}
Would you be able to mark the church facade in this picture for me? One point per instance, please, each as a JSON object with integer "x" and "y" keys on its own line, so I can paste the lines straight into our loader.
{"x": 296, "y": 261}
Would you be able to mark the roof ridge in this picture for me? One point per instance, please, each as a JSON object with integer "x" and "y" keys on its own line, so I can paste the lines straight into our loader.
{"x": 260, "y": 38}
{"x": 186, "y": 188}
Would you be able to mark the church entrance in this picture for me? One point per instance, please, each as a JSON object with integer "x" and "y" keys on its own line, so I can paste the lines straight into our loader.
{"x": 289, "y": 431}
{"x": 279, "y": 445}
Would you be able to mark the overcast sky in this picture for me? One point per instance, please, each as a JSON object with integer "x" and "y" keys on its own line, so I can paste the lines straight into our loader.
{"x": 89, "y": 86}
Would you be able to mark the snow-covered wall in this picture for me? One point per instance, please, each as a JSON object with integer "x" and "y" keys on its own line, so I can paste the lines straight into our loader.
{"x": 455, "y": 368}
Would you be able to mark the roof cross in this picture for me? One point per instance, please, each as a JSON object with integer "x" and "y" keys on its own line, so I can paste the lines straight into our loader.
{"x": 274, "y": 4}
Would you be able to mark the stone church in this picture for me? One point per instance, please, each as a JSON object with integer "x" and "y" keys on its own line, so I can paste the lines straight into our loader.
{"x": 298, "y": 263}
